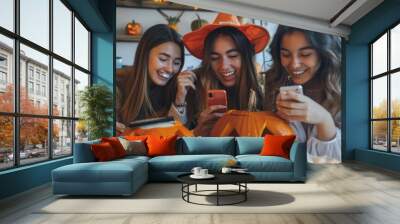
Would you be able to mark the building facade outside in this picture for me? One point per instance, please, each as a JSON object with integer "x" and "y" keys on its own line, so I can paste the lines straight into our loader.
{"x": 34, "y": 91}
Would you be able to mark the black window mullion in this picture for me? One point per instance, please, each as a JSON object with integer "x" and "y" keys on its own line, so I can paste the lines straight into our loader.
{"x": 371, "y": 87}
{"x": 50, "y": 87}
{"x": 89, "y": 55}
{"x": 73, "y": 82}
{"x": 50, "y": 53}
{"x": 389, "y": 101}
{"x": 8, "y": 33}
{"x": 16, "y": 83}
{"x": 81, "y": 68}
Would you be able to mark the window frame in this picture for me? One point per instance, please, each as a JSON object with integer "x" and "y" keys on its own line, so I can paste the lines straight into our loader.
{"x": 16, "y": 115}
{"x": 388, "y": 74}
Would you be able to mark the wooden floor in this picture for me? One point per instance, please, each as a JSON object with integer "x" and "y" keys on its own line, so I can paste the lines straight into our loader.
{"x": 377, "y": 188}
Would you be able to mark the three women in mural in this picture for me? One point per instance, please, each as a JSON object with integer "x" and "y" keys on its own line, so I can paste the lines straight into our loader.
{"x": 227, "y": 50}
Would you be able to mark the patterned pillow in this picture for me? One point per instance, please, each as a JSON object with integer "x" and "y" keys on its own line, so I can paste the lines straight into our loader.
{"x": 136, "y": 147}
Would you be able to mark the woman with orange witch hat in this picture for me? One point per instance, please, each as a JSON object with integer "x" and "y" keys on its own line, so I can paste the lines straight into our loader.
{"x": 227, "y": 50}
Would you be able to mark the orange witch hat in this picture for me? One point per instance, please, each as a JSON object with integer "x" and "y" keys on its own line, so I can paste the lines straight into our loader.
{"x": 257, "y": 35}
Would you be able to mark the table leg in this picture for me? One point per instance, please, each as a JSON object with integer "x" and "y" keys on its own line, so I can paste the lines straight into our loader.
{"x": 245, "y": 191}
{"x": 217, "y": 194}
{"x": 182, "y": 190}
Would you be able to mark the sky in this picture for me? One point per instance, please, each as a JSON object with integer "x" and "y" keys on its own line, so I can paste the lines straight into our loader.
{"x": 380, "y": 65}
{"x": 35, "y": 27}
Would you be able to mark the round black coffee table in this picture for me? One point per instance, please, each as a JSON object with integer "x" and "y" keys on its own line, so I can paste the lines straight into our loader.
{"x": 238, "y": 179}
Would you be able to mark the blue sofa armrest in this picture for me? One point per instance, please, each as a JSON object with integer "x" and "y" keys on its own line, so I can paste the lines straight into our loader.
{"x": 298, "y": 155}
{"x": 83, "y": 153}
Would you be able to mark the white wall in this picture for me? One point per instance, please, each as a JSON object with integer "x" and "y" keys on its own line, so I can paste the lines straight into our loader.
{"x": 148, "y": 18}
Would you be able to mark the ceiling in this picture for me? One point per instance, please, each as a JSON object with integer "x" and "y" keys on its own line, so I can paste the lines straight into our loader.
{"x": 327, "y": 16}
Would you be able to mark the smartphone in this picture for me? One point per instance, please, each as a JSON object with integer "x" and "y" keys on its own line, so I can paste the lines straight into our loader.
{"x": 285, "y": 89}
{"x": 217, "y": 97}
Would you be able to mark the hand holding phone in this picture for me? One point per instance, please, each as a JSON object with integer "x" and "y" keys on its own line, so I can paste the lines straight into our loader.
{"x": 284, "y": 90}
{"x": 217, "y": 97}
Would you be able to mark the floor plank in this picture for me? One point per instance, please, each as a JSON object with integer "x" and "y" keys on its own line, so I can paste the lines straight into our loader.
{"x": 376, "y": 189}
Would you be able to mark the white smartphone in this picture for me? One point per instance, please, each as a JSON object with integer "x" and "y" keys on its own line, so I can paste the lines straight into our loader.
{"x": 285, "y": 89}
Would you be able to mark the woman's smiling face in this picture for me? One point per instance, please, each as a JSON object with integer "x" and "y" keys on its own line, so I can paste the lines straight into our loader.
{"x": 164, "y": 62}
{"x": 298, "y": 57}
{"x": 226, "y": 60}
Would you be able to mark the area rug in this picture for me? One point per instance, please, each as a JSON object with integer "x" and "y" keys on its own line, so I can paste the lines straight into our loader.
{"x": 167, "y": 198}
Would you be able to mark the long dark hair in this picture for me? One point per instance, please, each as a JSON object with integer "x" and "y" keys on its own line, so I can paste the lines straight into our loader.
{"x": 136, "y": 89}
{"x": 245, "y": 86}
{"x": 328, "y": 48}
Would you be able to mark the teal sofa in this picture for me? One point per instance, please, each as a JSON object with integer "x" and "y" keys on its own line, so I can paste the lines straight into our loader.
{"x": 125, "y": 176}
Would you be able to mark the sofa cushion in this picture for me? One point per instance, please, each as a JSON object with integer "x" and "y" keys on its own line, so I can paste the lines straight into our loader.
{"x": 257, "y": 163}
{"x": 112, "y": 171}
{"x": 249, "y": 145}
{"x": 206, "y": 145}
{"x": 185, "y": 163}
{"x": 129, "y": 158}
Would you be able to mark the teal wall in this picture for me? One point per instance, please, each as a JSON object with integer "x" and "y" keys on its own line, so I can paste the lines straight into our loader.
{"x": 24, "y": 178}
{"x": 380, "y": 159}
{"x": 103, "y": 52}
{"x": 99, "y": 16}
{"x": 356, "y": 81}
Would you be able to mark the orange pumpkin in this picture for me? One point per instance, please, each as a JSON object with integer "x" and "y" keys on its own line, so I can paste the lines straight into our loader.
{"x": 133, "y": 28}
{"x": 245, "y": 123}
{"x": 177, "y": 129}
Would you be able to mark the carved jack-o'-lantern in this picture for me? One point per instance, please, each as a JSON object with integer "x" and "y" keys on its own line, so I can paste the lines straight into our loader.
{"x": 133, "y": 28}
{"x": 177, "y": 129}
{"x": 245, "y": 123}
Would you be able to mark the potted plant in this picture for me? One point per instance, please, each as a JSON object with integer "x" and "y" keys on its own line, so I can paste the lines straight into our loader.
{"x": 96, "y": 102}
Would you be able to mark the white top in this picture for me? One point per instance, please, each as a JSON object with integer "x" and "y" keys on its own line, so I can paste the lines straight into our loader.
{"x": 318, "y": 151}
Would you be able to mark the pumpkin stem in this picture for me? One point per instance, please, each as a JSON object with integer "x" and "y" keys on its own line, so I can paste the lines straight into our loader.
{"x": 198, "y": 16}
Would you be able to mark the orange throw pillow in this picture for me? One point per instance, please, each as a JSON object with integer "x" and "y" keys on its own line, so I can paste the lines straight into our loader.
{"x": 277, "y": 145}
{"x": 103, "y": 151}
{"x": 159, "y": 145}
{"x": 116, "y": 145}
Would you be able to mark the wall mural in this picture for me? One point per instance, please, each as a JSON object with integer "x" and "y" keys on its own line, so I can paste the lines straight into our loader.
{"x": 251, "y": 80}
